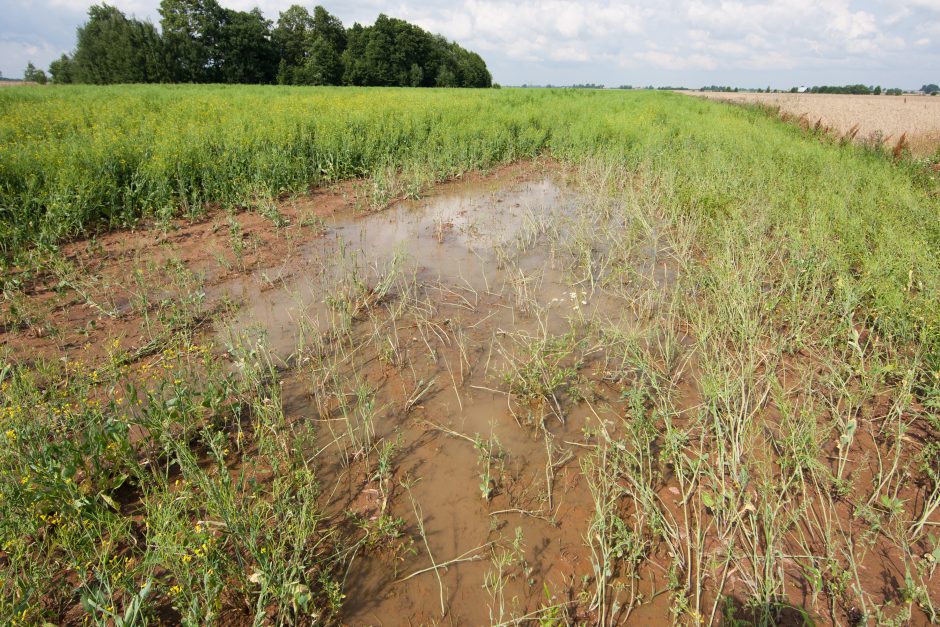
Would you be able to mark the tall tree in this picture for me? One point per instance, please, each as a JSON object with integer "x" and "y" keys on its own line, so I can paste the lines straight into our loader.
{"x": 191, "y": 32}
{"x": 311, "y": 47}
{"x": 33, "y": 74}
{"x": 472, "y": 69}
{"x": 245, "y": 52}
{"x": 446, "y": 77}
{"x": 325, "y": 45}
{"x": 415, "y": 76}
{"x": 202, "y": 42}
{"x": 354, "y": 67}
{"x": 384, "y": 53}
{"x": 412, "y": 47}
{"x": 114, "y": 49}
{"x": 330, "y": 28}
{"x": 291, "y": 38}
{"x": 324, "y": 65}
{"x": 62, "y": 70}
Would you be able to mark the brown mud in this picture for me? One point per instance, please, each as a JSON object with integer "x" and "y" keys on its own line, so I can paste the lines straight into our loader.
{"x": 474, "y": 280}
{"x": 455, "y": 353}
{"x": 102, "y": 287}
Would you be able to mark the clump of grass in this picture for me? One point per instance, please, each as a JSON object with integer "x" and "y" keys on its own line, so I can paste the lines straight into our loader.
{"x": 213, "y": 540}
{"x": 544, "y": 368}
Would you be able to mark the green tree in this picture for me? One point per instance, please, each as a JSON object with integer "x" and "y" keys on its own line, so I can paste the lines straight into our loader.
{"x": 471, "y": 69}
{"x": 114, "y": 49}
{"x": 311, "y": 47}
{"x": 62, "y": 70}
{"x": 445, "y": 77}
{"x": 415, "y": 75}
{"x": 394, "y": 52}
{"x": 33, "y": 74}
{"x": 354, "y": 70}
{"x": 244, "y": 50}
{"x": 329, "y": 27}
{"x": 291, "y": 36}
{"x": 326, "y": 44}
{"x": 202, "y": 42}
{"x": 378, "y": 52}
{"x": 410, "y": 46}
{"x": 191, "y": 33}
{"x": 324, "y": 65}
{"x": 285, "y": 73}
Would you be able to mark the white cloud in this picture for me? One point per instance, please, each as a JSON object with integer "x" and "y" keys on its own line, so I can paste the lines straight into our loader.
{"x": 534, "y": 30}
{"x": 142, "y": 9}
{"x": 668, "y": 61}
{"x": 16, "y": 53}
{"x": 632, "y": 41}
{"x": 933, "y": 5}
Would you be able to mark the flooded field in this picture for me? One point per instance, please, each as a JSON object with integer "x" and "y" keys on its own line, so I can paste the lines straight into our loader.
{"x": 677, "y": 383}
{"x": 447, "y": 348}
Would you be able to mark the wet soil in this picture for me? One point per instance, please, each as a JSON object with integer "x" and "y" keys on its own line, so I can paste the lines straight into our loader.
{"x": 105, "y": 286}
{"x": 474, "y": 281}
{"x": 438, "y": 308}
{"x": 446, "y": 349}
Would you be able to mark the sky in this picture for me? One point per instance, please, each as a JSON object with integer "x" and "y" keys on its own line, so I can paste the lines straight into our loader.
{"x": 744, "y": 43}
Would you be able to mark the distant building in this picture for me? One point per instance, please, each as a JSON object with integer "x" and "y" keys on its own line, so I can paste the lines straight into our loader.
{"x": 801, "y": 89}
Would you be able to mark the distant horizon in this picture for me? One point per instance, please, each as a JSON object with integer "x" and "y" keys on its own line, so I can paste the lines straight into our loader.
{"x": 776, "y": 43}
{"x": 749, "y": 88}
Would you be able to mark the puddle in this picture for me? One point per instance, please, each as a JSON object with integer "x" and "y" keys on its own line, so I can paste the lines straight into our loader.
{"x": 460, "y": 241}
{"x": 435, "y": 307}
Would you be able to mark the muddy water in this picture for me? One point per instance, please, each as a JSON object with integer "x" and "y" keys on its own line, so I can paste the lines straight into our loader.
{"x": 457, "y": 288}
{"x": 459, "y": 239}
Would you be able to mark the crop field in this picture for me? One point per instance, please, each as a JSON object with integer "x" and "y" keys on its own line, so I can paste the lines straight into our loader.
{"x": 291, "y": 356}
{"x": 865, "y": 118}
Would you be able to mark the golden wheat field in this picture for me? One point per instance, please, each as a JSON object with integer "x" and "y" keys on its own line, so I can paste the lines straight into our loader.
{"x": 892, "y": 116}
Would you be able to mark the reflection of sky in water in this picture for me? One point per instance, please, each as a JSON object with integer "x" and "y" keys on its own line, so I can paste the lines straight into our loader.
{"x": 458, "y": 239}
{"x": 448, "y": 238}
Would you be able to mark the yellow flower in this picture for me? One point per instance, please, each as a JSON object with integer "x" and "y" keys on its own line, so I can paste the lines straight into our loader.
{"x": 11, "y": 435}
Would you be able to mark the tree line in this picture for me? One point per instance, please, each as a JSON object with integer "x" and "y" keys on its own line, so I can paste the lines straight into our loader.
{"x": 857, "y": 90}
{"x": 200, "y": 41}
{"x": 862, "y": 90}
